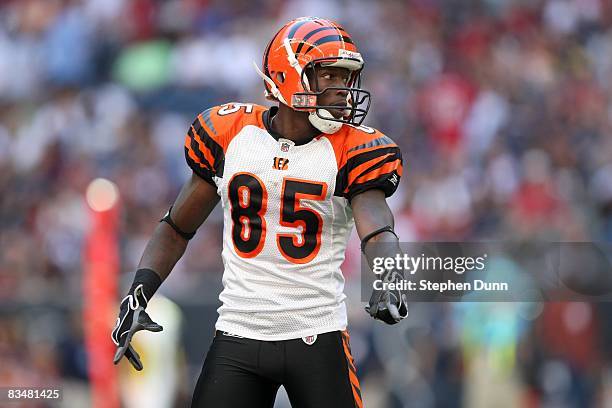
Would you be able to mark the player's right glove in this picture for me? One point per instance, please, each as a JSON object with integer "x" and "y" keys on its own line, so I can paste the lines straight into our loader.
{"x": 133, "y": 318}
{"x": 388, "y": 305}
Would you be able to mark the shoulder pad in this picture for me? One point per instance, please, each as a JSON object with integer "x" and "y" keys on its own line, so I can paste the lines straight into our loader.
{"x": 223, "y": 122}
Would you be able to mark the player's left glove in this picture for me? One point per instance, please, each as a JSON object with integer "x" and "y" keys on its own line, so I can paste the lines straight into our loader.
{"x": 388, "y": 305}
{"x": 133, "y": 318}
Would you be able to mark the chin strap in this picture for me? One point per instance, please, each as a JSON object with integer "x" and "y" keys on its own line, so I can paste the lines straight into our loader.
{"x": 326, "y": 126}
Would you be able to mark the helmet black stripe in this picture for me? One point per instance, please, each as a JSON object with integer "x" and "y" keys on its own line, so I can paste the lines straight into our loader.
{"x": 296, "y": 27}
{"x": 329, "y": 38}
{"x": 265, "y": 61}
{"x": 266, "y": 52}
{"x": 310, "y": 34}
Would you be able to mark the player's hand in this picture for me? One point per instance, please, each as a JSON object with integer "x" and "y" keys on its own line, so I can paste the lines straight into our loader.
{"x": 388, "y": 305}
{"x": 132, "y": 318}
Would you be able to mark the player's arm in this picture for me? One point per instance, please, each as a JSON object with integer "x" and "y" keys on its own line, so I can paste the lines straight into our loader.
{"x": 167, "y": 245}
{"x": 374, "y": 222}
{"x": 193, "y": 205}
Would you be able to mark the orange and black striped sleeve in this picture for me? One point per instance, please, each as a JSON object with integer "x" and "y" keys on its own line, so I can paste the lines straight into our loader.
{"x": 203, "y": 149}
{"x": 369, "y": 162}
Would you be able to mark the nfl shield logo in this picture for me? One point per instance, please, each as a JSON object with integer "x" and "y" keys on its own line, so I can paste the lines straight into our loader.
{"x": 310, "y": 339}
{"x": 284, "y": 147}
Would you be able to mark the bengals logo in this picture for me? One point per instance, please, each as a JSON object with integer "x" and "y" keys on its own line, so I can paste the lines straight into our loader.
{"x": 280, "y": 163}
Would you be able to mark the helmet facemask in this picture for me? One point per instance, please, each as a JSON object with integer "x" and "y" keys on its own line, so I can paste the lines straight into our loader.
{"x": 357, "y": 100}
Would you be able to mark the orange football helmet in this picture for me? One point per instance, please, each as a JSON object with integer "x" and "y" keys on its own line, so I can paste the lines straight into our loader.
{"x": 294, "y": 50}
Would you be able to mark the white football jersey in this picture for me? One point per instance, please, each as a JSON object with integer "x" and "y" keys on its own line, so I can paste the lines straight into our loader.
{"x": 287, "y": 216}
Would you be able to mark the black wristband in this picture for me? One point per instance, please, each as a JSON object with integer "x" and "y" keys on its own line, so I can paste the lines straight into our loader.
{"x": 386, "y": 228}
{"x": 149, "y": 280}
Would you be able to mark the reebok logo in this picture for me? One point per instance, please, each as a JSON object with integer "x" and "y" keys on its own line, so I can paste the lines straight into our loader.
{"x": 393, "y": 179}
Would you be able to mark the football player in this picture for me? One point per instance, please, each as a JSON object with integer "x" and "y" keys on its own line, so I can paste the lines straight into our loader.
{"x": 292, "y": 179}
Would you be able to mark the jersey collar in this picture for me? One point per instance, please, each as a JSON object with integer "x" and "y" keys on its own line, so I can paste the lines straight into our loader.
{"x": 267, "y": 120}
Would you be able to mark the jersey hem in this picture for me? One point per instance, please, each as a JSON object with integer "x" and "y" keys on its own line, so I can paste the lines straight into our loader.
{"x": 248, "y": 334}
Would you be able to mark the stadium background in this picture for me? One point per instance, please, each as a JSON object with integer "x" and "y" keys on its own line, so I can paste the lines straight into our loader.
{"x": 503, "y": 112}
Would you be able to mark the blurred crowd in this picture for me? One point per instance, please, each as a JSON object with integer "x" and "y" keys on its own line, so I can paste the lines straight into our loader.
{"x": 503, "y": 111}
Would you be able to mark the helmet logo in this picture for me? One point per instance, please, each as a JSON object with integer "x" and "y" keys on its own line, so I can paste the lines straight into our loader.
{"x": 349, "y": 54}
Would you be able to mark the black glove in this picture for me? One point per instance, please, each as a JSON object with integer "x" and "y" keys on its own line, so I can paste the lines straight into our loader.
{"x": 133, "y": 318}
{"x": 388, "y": 305}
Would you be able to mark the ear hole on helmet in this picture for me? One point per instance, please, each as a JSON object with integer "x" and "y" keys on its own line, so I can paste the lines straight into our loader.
{"x": 280, "y": 77}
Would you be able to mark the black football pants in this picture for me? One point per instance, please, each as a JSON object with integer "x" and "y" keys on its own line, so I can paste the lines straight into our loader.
{"x": 247, "y": 373}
